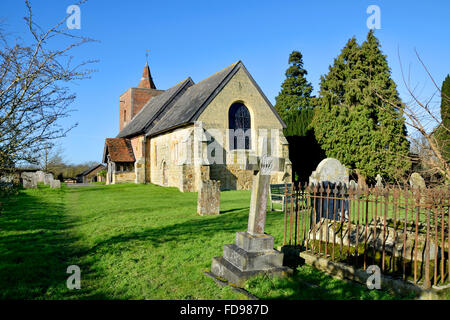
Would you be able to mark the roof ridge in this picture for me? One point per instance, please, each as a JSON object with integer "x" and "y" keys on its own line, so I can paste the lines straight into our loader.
{"x": 231, "y": 65}
{"x": 214, "y": 93}
{"x": 146, "y": 105}
{"x": 181, "y": 85}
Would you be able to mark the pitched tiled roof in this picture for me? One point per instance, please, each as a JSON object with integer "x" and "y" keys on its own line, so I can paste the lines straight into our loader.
{"x": 183, "y": 104}
{"x": 192, "y": 101}
{"x": 119, "y": 150}
{"x": 86, "y": 172}
{"x": 154, "y": 109}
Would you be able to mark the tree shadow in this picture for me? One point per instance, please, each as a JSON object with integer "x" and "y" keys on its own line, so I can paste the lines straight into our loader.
{"x": 196, "y": 227}
{"x": 36, "y": 249}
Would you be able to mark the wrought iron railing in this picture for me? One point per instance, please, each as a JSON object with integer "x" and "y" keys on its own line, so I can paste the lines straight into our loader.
{"x": 402, "y": 230}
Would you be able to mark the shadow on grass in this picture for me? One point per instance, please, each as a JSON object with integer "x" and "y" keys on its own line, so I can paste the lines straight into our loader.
{"x": 35, "y": 248}
{"x": 195, "y": 228}
{"x": 311, "y": 284}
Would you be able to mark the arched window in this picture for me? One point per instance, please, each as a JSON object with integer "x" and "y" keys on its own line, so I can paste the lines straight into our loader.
{"x": 240, "y": 127}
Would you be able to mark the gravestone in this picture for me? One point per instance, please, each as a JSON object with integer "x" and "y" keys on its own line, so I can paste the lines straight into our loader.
{"x": 379, "y": 180}
{"x": 416, "y": 181}
{"x": 29, "y": 180}
{"x": 48, "y": 178}
{"x": 352, "y": 184}
{"x": 40, "y": 176}
{"x": 208, "y": 202}
{"x": 253, "y": 252}
{"x": 330, "y": 173}
{"x": 329, "y": 170}
{"x": 55, "y": 184}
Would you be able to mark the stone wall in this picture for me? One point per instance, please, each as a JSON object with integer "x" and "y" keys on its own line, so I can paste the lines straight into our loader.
{"x": 165, "y": 160}
{"x": 123, "y": 177}
{"x": 240, "y": 89}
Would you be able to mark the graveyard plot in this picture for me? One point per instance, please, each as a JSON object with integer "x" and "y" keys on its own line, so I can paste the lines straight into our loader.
{"x": 135, "y": 242}
{"x": 403, "y": 231}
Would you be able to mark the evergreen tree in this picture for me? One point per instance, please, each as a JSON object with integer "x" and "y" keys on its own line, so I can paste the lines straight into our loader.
{"x": 443, "y": 132}
{"x": 295, "y": 96}
{"x": 298, "y": 124}
{"x": 352, "y": 123}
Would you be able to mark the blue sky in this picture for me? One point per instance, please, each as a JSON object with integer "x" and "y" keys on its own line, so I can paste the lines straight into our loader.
{"x": 199, "y": 38}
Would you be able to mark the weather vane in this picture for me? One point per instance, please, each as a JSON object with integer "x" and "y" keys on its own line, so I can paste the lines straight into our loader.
{"x": 146, "y": 55}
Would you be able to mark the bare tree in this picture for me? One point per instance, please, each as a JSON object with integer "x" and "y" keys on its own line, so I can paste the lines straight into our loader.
{"x": 427, "y": 128}
{"x": 33, "y": 88}
{"x": 50, "y": 158}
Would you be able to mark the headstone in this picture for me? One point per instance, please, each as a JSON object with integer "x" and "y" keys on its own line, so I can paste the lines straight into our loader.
{"x": 330, "y": 170}
{"x": 40, "y": 176}
{"x": 29, "y": 180}
{"x": 48, "y": 178}
{"x": 208, "y": 202}
{"x": 330, "y": 173}
{"x": 379, "y": 181}
{"x": 253, "y": 253}
{"x": 416, "y": 181}
{"x": 55, "y": 184}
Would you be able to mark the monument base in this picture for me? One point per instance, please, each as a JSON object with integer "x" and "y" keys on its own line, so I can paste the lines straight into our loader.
{"x": 249, "y": 256}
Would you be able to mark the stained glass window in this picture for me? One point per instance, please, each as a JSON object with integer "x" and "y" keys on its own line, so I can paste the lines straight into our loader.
{"x": 240, "y": 127}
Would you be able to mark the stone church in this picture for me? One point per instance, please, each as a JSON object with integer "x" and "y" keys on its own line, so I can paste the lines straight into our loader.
{"x": 195, "y": 131}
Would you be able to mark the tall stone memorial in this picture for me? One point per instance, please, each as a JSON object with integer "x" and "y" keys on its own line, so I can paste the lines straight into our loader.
{"x": 253, "y": 252}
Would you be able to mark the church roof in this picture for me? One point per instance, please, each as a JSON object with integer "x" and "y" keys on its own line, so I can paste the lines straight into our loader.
{"x": 119, "y": 150}
{"x": 183, "y": 104}
{"x": 153, "y": 110}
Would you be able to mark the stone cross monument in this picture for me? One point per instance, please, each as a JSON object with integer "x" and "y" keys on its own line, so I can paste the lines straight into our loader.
{"x": 262, "y": 167}
{"x": 253, "y": 253}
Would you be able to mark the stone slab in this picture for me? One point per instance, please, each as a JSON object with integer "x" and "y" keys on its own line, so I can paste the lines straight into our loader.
{"x": 251, "y": 261}
{"x": 225, "y": 270}
{"x": 343, "y": 271}
{"x": 254, "y": 243}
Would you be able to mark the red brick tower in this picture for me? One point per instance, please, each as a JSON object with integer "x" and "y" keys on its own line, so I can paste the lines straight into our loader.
{"x": 132, "y": 100}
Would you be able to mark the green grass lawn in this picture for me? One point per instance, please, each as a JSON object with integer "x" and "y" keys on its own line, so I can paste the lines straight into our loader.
{"x": 137, "y": 242}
